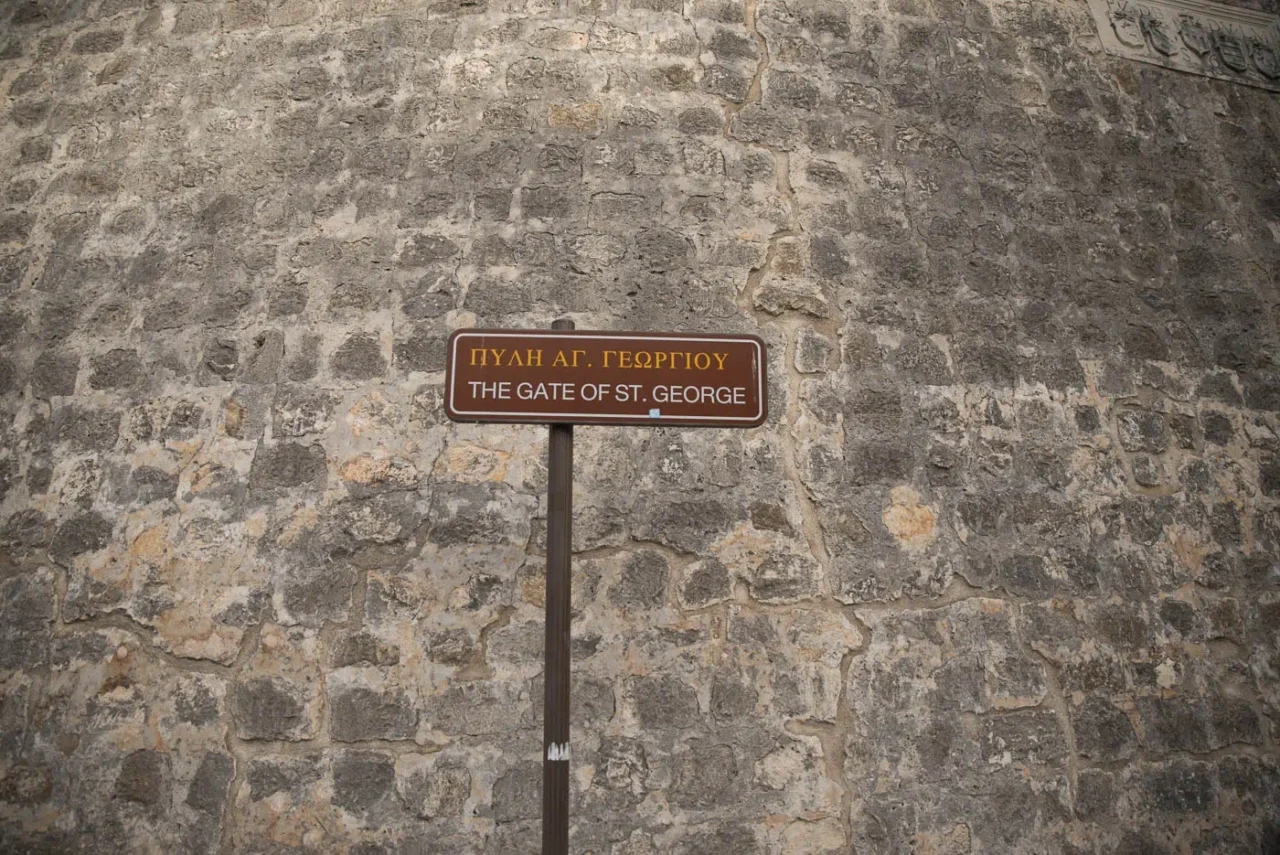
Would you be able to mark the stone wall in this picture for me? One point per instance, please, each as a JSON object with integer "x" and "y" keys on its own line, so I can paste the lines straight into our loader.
{"x": 999, "y": 574}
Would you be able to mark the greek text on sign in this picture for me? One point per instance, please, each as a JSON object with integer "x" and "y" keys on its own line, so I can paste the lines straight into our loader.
{"x": 583, "y": 377}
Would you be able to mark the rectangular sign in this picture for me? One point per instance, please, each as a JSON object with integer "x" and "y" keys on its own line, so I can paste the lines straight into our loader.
{"x": 608, "y": 378}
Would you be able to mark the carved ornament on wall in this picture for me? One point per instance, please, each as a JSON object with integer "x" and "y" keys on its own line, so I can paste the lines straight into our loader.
{"x": 1211, "y": 39}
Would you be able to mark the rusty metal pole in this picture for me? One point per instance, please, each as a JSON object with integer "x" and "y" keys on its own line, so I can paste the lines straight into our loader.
{"x": 555, "y": 721}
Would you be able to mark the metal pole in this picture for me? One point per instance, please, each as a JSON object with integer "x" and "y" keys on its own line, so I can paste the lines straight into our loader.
{"x": 555, "y": 722}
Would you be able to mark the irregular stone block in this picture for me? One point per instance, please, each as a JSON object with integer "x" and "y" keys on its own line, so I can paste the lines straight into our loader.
{"x": 1141, "y": 430}
{"x": 287, "y": 465}
{"x": 363, "y": 781}
{"x": 643, "y": 581}
{"x": 662, "y": 702}
{"x": 359, "y": 358}
{"x": 271, "y": 708}
{"x": 517, "y": 793}
{"x": 357, "y": 714}
{"x": 1103, "y": 732}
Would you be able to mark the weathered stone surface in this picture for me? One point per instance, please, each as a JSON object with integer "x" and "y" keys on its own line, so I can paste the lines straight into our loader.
{"x": 287, "y": 466}
{"x": 997, "y": 574}
{"x": 517, "y": 793}
{"x": 434, "y": 788}
{"x": 277, "y": 698}
{"x": 662, "y": 702}
{"x": 363, "y": 782}
{"x": 358, "y": 714}
{"x": 1103, "y": 732}
{"x": 642, "y": 582}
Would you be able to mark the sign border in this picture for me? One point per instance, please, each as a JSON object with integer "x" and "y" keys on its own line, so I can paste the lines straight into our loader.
{"x": 632, "y": 419}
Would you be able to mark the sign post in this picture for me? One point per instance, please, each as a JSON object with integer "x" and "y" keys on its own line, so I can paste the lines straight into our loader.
{"x": 555, "y": 673}
{"x": 566, "y": 377}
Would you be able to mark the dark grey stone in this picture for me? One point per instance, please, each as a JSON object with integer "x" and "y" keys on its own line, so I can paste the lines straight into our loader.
{"x": 1103, "y": 732}
{"x": 262, "y": 362}
{"x": 440, "y": 792}
{"x": 87, "y": 428}
{"x": 361, "y": 648}
{"x": 78, "y": 535}
{"x": 53, "y": 374}
{"x": 318, "y": 591}
{"x": 689, "y": 525}
{"x": 517, "y": 794}
{"x": 358, "y": 714}
{"x": 26, "y": 785}
{"x": 423, "y": 250}
{"x": 544, "y": 202}
{"x": 209, "y": 787}
{"x": 731, "y": 699}
{"x": 102, "y": 41}
{"x": 1217, "y": 427}
{"x": 299, "y": 411}
{"x": 27, "y": 612}
{"x": 270, "y": 776}
{"x": 195, "y": 704}
{"x": 361, "y": 780}
{"x": 643, "y": 581}
{"x": 1095, "y": 794}
{"x": 451, "y": 646}
{"x": 663, "y": 702}
{"x": 116, "y": 369}
{"x": 359, "y": 358}
{"x": 470, "y": 514}
{"x": 1180, "y": 787}
{"x": 1173, "y": 724}
{"x": 662, "y": 249}
{"x": 222, "y": 359}
{"x": 148, "y": 484}
{"x": 144, "y": 778}
{"x": 705, "y": 582}
{"x": 494, "y": 297}
{"x": 420, "y": 349}
{"x": 286, "y": 466}
{"x": 705, "y": 777}
{"x": 701, "y": 121}
{"x": 269, "y": 708}
{"x": 1141, "y": 430}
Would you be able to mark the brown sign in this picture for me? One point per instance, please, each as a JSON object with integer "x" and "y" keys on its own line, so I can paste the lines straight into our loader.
{"x": 609, "y": 378}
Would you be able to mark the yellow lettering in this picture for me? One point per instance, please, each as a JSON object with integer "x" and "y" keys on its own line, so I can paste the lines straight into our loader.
{"x": 720, "y": 357}
{"x": 624, "y": 359}
{"x": 497, "y": 355}
{"x": 533, "y": 358}
{"x": 688, "y": 357}
{"x": 576, "y": 353}
{"x": 560, "y": 361}
{"x": 648, "y": 359}
{"x": 479, "y": 350}
{"x": 515, "y": 359}
{"x": 606, "y": 357}
{"x": 699, "y": 360}
{"x": 660, "y": 359}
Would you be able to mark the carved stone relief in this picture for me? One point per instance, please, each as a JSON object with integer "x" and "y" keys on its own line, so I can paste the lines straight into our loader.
{"x": 1219, "y": 41}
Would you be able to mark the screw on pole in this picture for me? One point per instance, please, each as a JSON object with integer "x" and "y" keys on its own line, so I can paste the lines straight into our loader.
{"x": 555, "y": 723}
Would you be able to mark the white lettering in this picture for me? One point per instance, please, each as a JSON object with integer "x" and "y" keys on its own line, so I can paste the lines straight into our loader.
{"x": 628, "y": 392}
{"x": 545, "y": 391}
{"x": 723, "y": 395}
{"x": 480, "y": 389}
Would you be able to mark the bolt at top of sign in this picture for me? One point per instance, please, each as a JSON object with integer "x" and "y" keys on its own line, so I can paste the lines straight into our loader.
{"x": 586, "y": 377}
